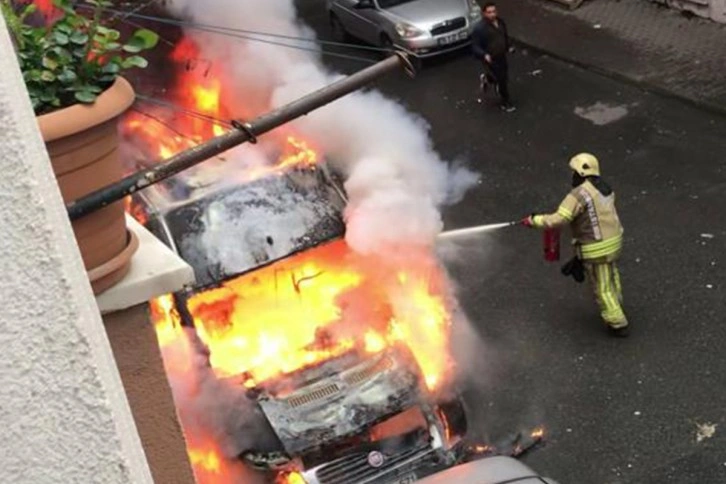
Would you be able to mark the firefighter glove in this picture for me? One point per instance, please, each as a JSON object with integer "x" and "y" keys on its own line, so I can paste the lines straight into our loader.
{"x": 575, "y": 269}
{"x": 528, "y": 221}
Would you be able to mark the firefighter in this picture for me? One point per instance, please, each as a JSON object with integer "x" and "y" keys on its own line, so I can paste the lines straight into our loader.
{"x": 589, "y": 210}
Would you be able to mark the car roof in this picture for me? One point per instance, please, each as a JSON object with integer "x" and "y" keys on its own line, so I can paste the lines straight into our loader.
{"x": 490, "y": 470}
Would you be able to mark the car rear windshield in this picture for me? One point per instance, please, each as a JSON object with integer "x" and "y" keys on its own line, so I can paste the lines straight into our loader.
{"x": 392, "y": 3}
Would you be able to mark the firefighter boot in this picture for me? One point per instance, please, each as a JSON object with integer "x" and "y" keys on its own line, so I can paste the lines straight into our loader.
{"x": 621, "y": 332}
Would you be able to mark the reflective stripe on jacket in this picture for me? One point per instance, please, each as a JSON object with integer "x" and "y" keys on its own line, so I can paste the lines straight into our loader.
{"x": 593, "y": 220}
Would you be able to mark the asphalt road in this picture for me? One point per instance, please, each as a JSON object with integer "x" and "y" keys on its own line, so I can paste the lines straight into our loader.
{"x": 616, "y": 411}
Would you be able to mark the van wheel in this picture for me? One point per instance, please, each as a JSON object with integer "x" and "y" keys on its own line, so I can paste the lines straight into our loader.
{"x": 455, "y": 415}
{"x": 337, "y": 29}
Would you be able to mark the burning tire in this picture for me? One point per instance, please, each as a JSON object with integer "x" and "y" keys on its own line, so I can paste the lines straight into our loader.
{"x": 453, "y": 413}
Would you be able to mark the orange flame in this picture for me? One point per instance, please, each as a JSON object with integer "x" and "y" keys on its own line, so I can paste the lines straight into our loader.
{"x": 136, "y": 211}
{"x": 304, "y": 310}
{"x": 198, "y": 114}
{"x": 298, "y": 312}
{"x": 290, "y": 478}
{"x": 208, "y": 460}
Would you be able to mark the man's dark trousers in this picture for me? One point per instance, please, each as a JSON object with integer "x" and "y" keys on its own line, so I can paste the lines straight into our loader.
{"x": 500, "y": 70}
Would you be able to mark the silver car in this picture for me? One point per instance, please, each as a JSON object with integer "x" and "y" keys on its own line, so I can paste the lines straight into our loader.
{"x": 490, "y": 470}
{"x": 422, "y": 27}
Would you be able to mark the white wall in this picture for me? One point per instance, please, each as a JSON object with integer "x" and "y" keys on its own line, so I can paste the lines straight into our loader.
{"x": 63, "y": 412}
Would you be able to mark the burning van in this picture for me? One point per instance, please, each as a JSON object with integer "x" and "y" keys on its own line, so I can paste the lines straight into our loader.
{"x": 343, "y": 357}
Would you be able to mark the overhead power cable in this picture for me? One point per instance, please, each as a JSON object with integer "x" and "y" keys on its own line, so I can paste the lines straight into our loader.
{"x": 255, "y": 36}
{"x": 184, "y": 110}
{"x": 189, "y": 24}
{"x": 171, "y": 128}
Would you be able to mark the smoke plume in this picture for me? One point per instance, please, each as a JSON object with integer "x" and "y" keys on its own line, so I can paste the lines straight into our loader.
{"x": 395, "y": 179}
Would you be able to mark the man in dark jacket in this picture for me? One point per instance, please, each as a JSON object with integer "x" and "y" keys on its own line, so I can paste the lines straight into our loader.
{"x": 490, "y": 43}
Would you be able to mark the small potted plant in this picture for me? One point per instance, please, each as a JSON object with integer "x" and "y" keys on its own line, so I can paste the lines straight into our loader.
{"x": 72, "y": 66}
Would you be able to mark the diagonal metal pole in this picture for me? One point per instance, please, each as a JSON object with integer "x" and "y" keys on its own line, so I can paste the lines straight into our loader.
{"x": 243, "y": 133}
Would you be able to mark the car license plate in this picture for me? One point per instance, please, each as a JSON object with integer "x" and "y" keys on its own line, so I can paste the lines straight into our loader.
{"x": 451, "y": 39}
{"x": 407, "y": 479}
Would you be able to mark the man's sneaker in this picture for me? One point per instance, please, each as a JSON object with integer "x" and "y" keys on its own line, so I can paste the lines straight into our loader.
{"x": 622, "y": 332}
{"x": 508, "y": 108}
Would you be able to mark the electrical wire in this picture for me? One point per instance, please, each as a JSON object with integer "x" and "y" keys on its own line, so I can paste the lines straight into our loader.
{"x": 165, "y": 124}
{"x": 220, "y": 29}
{"x": 326, "y": 53}
{"x": 229, "y": 32}
{"x": 171, "y": 128}
{"x": 183, "y": 110}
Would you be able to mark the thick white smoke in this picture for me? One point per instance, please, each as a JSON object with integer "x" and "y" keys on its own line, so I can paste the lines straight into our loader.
{"x": 395, "y": 179}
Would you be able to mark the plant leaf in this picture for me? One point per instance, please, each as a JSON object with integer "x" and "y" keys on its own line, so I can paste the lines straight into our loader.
{"x": 134, "y": 61}
{"x": 47, "y": 76}
{"x": 63, "y": 56}
{"x": 32, "y": 75}
{"x": 132, "y": 49}
{"x": 79, "y": 38}
{"x": 111, "y": 68}
{"x": 50, "y": 64}
{"x": 67, "y": 77}
{"x": 60, "y": 38}
{"x": 142, "y": 39}
{"x": 47, "y": 96}
{"x": 85, "y": 97}
{"x": 64, "y": 28}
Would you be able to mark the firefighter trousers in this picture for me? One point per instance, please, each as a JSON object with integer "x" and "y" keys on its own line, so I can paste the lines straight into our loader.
{"x": 604, "y": 278}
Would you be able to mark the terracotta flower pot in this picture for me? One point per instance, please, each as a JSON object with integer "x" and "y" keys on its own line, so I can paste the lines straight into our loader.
{"x": 82, "y": 141}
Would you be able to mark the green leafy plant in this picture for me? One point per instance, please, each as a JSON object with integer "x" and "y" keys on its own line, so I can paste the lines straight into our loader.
{"x": 75, "y": 57}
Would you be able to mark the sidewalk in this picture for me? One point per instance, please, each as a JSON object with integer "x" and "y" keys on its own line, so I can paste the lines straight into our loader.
{"x": 633, "y": 40}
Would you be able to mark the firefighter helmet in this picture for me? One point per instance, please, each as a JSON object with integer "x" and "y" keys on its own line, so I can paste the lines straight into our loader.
{"x": 585, "y": 165}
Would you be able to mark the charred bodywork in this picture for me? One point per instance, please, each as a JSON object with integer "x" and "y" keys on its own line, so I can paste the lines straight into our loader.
{"x": 354, "y": 419}
{"x": 340, "y": 403}
{"x": 265, "y": 220}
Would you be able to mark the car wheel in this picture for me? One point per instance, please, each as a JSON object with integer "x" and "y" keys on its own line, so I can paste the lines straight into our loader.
{"x": 337, "y": 29}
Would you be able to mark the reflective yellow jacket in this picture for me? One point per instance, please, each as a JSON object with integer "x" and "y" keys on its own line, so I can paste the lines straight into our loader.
{"x": 593, "y": 220}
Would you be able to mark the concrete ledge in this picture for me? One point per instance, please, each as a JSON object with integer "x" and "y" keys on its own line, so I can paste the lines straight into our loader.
{"x": 155, "y": 270}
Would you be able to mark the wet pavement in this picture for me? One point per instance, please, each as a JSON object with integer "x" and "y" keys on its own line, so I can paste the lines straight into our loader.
{"x": 616, "y": 411}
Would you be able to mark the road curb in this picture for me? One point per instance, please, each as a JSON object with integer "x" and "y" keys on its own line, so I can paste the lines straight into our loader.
{"x": 644, "y": 85}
